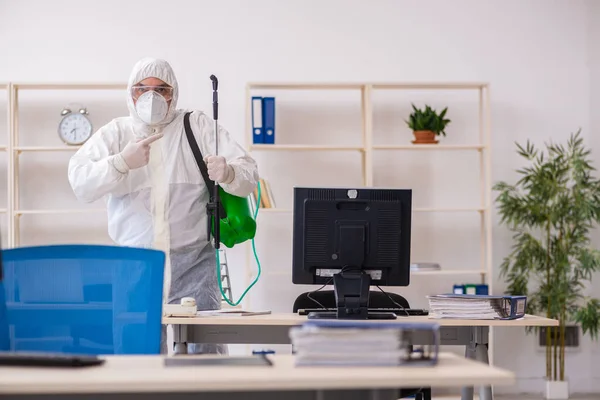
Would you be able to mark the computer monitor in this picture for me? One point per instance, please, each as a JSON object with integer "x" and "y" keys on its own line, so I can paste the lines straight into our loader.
{"x": 352, "y": 238}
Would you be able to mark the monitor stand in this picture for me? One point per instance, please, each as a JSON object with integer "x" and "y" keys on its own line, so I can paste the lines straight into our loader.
{"x": 351, "y": 298}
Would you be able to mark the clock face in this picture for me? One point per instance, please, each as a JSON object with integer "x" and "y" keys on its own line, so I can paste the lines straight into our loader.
{"x": 75, "y": 129}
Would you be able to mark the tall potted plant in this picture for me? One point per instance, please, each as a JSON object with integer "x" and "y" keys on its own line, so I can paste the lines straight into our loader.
{"x": 551, "y": 210}
{"x": 427, "y": 124}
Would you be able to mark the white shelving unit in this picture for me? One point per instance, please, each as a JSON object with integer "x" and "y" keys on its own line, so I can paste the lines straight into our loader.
{"x": 15, "y": 212}
{"x": 368, "y": 149}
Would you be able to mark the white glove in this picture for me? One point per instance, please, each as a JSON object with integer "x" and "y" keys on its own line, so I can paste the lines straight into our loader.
{"x": 137, "y": 154}
{"x": 218, "y": 170}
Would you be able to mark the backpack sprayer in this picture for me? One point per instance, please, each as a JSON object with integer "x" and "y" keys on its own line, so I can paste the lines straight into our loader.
{"x": 229, "y": 216}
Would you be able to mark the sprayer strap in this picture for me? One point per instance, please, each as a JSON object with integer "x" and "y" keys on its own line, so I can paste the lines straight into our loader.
{"x": 210, "y": 185}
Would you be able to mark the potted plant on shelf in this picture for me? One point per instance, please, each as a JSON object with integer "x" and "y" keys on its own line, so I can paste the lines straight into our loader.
{"x": 427, "y": 124}
{"x": 551, "y": 210}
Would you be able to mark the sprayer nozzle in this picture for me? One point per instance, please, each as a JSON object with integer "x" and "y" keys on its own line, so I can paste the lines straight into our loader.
{"x": 215, "y": 82}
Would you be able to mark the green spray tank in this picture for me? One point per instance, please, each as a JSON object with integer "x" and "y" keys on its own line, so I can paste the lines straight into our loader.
{"x": 236, "y": 223}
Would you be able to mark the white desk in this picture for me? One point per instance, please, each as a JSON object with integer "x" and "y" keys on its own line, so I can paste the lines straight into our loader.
{"x": 274, "y": 329}
{"x": 145, "y": 377}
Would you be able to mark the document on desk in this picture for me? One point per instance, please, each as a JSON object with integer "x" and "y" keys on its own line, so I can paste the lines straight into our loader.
{"x": 465, "y": 306}
{"x": 231, "y": 313}
{"x": 361, "y": 343}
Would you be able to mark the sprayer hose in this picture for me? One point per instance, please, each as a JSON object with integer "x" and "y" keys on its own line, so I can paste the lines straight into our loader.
{"x": 230, "y": 301}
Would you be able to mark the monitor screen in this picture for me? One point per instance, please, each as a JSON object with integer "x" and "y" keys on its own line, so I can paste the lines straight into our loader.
{"x": 364, "y": 228}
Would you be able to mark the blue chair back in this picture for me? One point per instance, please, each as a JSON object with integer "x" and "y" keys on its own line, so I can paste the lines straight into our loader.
{"x": 81, "y": 299}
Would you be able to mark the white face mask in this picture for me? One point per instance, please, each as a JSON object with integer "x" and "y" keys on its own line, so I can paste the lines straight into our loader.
{"x": 151, "y": 107}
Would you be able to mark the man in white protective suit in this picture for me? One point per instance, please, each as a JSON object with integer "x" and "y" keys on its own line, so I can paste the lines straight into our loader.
{"x": 144, "y": 168}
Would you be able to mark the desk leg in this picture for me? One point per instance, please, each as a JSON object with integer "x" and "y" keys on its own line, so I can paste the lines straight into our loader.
{"x": 466, "y": 392}
{"x": 180, "y": 339}
{"x": 477, "y": 349}
{"x": 481, "y": 354}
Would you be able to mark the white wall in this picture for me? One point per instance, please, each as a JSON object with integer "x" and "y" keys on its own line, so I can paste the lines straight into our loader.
{"x": 593, "y": 61}
{"x": 536, "y": 55}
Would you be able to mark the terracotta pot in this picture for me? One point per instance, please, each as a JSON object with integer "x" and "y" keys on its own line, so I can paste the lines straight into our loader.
{"x": 424, "y": 137}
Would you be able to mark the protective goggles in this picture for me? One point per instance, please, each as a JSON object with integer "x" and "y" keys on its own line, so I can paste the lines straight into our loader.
{"x": 164, "y": 91}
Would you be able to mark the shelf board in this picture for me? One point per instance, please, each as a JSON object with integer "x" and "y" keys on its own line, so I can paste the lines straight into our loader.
{"x": 305, "y": 86}
{"x": 450, "y": 209}
{"x": 273, "y": 210}
{"x": 374, "y": 85}
{"x": 288, "y": 147}
{"x": 3, "y": 148}
{"x": 66, "y": 211}
{"x": 423, "y": 210}
{"x": 478, "y": 147}
{"x": 412, "y": 273}
{"x": 449, "y": 272}
{"x": 302, "y": 147}
{"x": 3, "y": 210}
{"x": 430, "y": 85}
{"x": 45, "y": 148}
{"x": 70, "y": 86}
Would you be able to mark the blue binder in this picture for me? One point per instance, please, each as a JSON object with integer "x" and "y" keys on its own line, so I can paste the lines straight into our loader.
{"x": 479, "y": 289}
{"x": 482, "y": 289}
{"x": 268, "y": 104}
{"x": 257, "y": 120}
{"x": 458, "y": 289}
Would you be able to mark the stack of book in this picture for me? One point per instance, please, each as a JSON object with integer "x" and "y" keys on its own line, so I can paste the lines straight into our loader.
{"x": 266, "y": 196}
{"x": 362, "y": 343}
{"x": 425, "y": 266}
{"x": 465, "y": 306}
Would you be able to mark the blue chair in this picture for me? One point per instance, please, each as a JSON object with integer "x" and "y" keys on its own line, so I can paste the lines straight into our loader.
{"x": 81, "y": 299}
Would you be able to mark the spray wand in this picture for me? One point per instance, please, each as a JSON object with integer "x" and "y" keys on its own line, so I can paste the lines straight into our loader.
{"x": 216, "y": 211}
{"x": 214, "y": 207}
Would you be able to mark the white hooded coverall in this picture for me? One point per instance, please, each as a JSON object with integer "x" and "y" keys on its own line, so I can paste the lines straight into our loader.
{"x": 163, "y": 204}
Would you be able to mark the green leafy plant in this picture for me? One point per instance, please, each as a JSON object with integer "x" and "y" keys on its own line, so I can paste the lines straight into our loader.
{"x": 428, "y": 120}
{"x": 551, "y": 210}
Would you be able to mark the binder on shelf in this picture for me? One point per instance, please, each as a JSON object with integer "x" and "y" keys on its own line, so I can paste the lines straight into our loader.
{"x": 482, "y": 289}
{"x": 266, "y": 196}
{"x": 270, "y": 195}
{"x": 257, "y": 120}
{"x": 458, "y": 289}
{"x": 268, "y": 104}
{"x": 470, "y": 289}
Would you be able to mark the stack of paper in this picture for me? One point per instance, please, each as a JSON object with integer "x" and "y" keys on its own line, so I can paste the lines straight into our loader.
{"x": 232, "y": 312}
{"x": 347, "y": 343}
{"x": 475, "y": 306}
